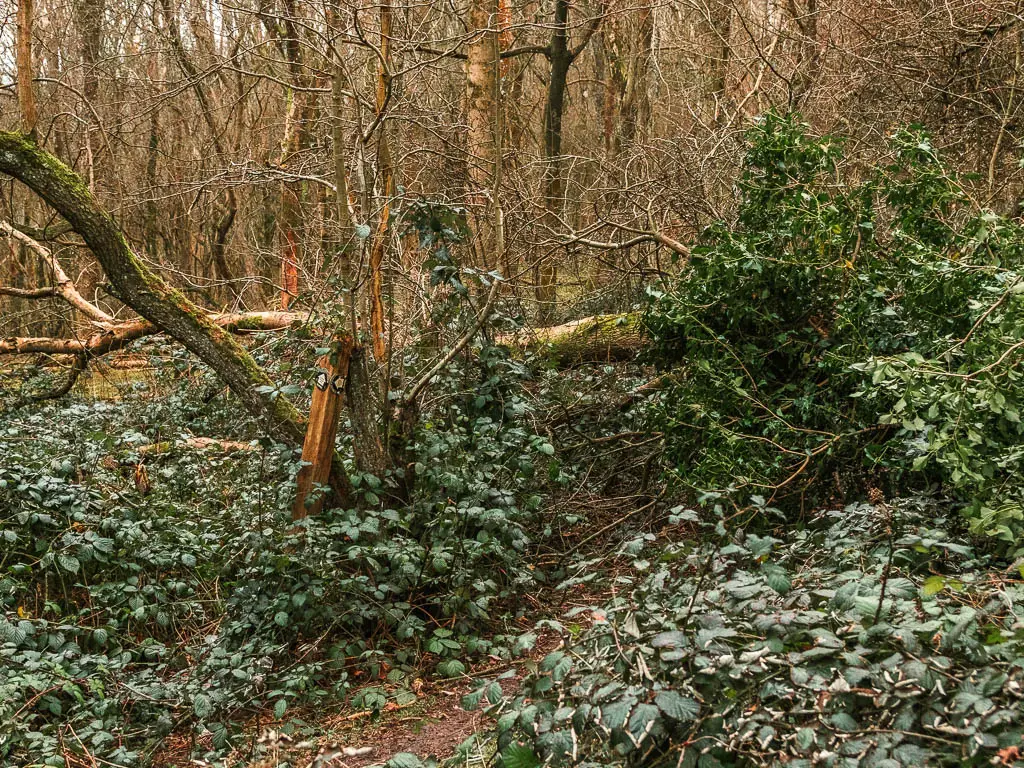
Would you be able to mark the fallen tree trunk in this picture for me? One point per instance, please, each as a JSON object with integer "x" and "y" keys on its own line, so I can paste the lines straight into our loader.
{"x": 138, "y": 287}
{"x": 597, "y": 339}
{"x": 114, "y": 337}
{"x": 197, "y": 444}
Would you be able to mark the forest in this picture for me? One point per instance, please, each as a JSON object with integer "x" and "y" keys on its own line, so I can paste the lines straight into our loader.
{"x": 511, "y": 383}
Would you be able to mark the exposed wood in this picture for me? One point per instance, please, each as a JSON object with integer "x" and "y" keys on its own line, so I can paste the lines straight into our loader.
{"x": 322, "y": 428}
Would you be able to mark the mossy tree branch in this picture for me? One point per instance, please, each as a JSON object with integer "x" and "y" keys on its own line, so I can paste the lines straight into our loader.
{"x": 145, "y": 292}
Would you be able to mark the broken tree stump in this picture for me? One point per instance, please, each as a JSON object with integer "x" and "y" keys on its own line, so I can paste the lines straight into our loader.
{"x": 318, "y": 447}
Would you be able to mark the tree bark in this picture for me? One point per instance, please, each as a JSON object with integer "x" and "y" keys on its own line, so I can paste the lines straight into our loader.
{"x": 482, "y": 60}
{"x": 23, "y": 56}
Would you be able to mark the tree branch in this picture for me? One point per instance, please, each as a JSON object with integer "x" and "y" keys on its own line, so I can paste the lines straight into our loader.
{"x": 63, "y": 285}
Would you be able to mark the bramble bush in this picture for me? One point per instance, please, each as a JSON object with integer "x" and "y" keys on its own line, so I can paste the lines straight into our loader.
{"x": 191, "y": 600}
{"x": 850, "y": 329}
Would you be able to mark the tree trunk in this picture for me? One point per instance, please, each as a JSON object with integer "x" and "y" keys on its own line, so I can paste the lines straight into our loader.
{"x": 598, "y": 339}
{"x": 23, "y": 56}
{"x": 546, "y": 271}
{"x": 636, "y": 104}
{"x": 89, "y": 23}
{"x": 387, "y": 187}
{"x": 481, "y": 103}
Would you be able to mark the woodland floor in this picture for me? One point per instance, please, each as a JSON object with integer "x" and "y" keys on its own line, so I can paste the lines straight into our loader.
{"x": 433, "y": 726}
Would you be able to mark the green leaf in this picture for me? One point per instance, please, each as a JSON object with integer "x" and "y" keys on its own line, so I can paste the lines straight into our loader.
{"x": 777, "y": 579}
{"x": 202, "y": 706}
{"x": 471, "y": 701}
{"x": 518, "y": 756}
{"x": 68, "y": 562}
{"x": 805, "y": 738}
{"x": 933, "y": 585}
{"x": 676, "y": 706}
{"x": 494, "y": 693}
{"x": 642, "y": 721}
{"x": 279, "y": 708}
{"x": 844, "y": 722}
{"x": 281, "y": 619}
{"x": 451, "y": 668}
{"x": 405, "y": 760}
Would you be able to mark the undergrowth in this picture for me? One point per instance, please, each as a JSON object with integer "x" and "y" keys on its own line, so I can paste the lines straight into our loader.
{"x": 874, "y": 636}
{"x": 149, "y": 592}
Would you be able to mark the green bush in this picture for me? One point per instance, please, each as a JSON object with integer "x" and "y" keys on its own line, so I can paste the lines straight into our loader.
{"x": 849, "y": 330}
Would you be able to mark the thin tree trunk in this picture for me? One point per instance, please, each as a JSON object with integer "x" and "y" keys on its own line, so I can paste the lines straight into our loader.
{"x": 89, "y": 22}
{"x": 23, "y": 55}
{"x": 366, "y": 439}
{"x": 546, "y": 271}
{"x": 481, "y": 102}
{"x": 387, "y": 187}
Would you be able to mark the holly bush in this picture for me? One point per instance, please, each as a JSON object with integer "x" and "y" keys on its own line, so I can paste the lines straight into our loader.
{"x": 850, "y": 328}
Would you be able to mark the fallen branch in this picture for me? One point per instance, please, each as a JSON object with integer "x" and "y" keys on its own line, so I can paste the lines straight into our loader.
{"x": 63, "y": 285}
{"x": 198, "y": 444}
{"x": 116, "y": 337}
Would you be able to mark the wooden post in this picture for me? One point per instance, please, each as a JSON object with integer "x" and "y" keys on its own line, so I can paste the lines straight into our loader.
{"x": 318, "y": 447}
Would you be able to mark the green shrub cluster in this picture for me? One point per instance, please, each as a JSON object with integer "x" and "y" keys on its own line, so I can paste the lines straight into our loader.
{"x": 849, "y": 329}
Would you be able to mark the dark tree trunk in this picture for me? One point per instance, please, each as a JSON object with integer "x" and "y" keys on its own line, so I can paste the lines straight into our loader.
{"x": 545, "y": 271}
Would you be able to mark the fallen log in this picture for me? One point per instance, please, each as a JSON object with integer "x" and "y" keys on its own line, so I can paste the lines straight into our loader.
{"x": 113, "y": 337}
{"x": 198, "y": 444}
{"x": 596, "y": 339}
